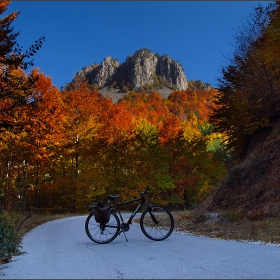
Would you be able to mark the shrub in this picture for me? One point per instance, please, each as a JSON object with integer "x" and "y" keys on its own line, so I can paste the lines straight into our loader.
{"x": 9, "y": 242}
{"x": 233, "y": 215}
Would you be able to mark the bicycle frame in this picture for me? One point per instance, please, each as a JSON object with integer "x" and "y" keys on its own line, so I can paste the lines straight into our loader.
{"x": 116, "y": 205}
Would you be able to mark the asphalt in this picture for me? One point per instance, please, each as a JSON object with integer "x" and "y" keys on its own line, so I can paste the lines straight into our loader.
{"x": 61, "y": 249}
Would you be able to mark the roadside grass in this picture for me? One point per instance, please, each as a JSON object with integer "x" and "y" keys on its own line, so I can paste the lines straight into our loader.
{"x": 230, "y": 226}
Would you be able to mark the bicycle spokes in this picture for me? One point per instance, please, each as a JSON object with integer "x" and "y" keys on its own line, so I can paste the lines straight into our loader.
{"x": 157, "y": 223}
{"x": 102, "y": 233}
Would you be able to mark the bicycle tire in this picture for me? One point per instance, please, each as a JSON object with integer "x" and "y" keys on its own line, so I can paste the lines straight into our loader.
{"x": 160, "y": 230}
{"x": 102, "y": 234}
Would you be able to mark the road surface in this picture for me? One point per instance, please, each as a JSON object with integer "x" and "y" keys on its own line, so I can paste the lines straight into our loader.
{"x": 61, "y": 249}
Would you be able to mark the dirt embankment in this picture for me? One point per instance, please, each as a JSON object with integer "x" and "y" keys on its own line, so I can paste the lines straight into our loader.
{"x": 253, "y": 186}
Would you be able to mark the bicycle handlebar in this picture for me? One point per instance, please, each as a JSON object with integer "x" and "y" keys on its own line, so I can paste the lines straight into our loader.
{"x": 114, "y": 197}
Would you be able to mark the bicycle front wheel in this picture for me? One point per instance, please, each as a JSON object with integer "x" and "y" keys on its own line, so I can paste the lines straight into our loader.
{"x": 157, "y": 223}
{"x": 102, "y": 234}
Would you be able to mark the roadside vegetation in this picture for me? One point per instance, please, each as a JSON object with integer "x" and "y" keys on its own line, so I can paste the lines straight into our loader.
{"x": 14, "y": 226}
{"x": 230, "y": 226}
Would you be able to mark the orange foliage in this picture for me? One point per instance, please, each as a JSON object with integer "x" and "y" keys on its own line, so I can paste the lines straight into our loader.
{"x": 171, "y": 130}
{"x": 79, "y": 145}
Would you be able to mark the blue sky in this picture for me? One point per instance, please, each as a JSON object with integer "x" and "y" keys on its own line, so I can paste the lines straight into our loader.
{"x": 198, "y": 34}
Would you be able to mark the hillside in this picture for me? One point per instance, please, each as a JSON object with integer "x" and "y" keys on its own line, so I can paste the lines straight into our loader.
{"x": 116, "y": 94}
{"x": 252, "y": 188}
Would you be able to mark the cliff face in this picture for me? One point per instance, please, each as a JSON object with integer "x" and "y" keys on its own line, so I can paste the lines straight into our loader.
{"x": 108, "y": 68}
{"x": 172, "y": 72}
{"x": 143, "y": 68}
{"x": 100, "y": 74}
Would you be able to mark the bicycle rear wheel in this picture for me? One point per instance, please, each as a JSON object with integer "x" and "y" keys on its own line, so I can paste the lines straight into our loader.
{"x": 102, "y": 234}
{"x": 157, "y": 223}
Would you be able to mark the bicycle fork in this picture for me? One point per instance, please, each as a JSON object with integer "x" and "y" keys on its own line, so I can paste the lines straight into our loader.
{"x": 152, "y": 215}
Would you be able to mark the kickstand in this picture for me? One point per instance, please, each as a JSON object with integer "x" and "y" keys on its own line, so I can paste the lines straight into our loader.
{"x": 125, "y": 236}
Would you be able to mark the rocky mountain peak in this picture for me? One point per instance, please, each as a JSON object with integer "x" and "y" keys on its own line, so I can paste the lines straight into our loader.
{"x": 141, "y": 69}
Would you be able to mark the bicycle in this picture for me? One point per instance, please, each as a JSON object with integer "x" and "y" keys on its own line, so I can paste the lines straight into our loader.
{"x": 156, "y": 222}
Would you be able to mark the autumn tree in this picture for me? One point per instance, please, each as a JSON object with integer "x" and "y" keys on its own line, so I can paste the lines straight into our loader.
{"x": 42, "y": 124}
{"x": 248, "y": 98}
{"x": 114, "y": 144}
{"x": 15, "y": 87}
{"x": 178, "y": 141}
{"x": 145, "y": 105}
{"x": 80, "y": 123}
{"x": 28, "y": 148}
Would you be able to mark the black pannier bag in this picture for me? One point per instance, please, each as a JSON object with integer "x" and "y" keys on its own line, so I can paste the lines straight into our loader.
{"x": 102, "y": 213}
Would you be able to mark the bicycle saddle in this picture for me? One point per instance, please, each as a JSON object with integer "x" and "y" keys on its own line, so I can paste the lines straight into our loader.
{"x": 113, "y": 197}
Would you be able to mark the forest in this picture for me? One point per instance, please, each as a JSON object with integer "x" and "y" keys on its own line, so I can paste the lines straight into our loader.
{"x": 63, "y": 149}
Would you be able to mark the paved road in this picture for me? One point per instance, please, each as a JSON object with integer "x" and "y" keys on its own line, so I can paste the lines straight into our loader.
{"x": 61, "y": 249}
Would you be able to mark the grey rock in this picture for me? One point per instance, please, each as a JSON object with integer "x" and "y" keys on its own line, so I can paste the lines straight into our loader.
{"x": 172, "y": 72}
{"x": 143, "y": 68}
{"x": 108, "y": 68}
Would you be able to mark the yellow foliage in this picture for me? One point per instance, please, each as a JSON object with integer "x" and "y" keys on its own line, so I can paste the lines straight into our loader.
{"x": 204, "y": 191}
{"x": 191, "y": 132}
